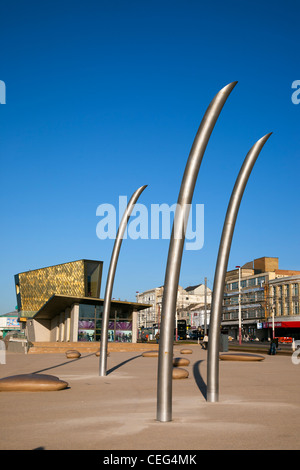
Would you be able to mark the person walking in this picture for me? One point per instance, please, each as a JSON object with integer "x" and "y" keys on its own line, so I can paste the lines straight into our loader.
{"x": 198, "y": 335}
{"x": 205, "y": 341}
{"x": 273, "y": 345}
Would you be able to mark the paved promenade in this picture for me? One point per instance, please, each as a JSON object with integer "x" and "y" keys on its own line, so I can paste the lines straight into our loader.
{"x": 259, "y": 405}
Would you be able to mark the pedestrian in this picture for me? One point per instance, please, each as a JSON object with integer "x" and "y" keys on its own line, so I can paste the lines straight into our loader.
{"x": 272, "y": 350}
{"x": 157, "y": 337}
{"x": 198, "y": 335}
{"x": 205, "y": 341}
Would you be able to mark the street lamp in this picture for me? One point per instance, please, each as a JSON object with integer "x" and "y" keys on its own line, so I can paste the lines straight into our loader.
{"x": 240, "y": 313}
{"x": 273, "y": 321}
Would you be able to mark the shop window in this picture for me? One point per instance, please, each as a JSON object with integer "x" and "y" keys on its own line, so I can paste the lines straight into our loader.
{"x": 123, "y": 332}
{"x": 86, "y": 330}
{"x": 90, "y": 324}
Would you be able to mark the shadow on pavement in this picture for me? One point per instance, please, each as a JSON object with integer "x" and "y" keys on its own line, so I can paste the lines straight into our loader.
{"x": 122, "y": 364}
{"x": 82, "y": 358}
{"x": 199, "y": 380}
{"x": 69, "y": 361}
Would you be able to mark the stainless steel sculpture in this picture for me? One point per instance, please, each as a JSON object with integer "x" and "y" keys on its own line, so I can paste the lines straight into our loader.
{"x": 110, "y": 279}
{"x": 221, "y": 268}
{"x": 164, "y": 381}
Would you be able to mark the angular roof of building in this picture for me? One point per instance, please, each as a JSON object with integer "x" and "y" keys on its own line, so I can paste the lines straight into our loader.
{"x": 58, "y": 303}
{"x": 192, "y": 287}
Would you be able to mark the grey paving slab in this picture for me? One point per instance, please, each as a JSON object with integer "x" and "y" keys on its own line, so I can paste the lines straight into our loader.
{"x": 259, "y": 405}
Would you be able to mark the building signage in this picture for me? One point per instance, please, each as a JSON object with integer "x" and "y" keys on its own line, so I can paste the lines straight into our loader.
{"x": 12, "y": 323}
{"x": 9, "y": 322}
{"x": 282, "y": 324}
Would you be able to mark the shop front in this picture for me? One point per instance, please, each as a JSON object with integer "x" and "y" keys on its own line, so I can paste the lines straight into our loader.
{"x": 90, "y": 322}
{"x": 284, "y": 329}
{"x": 72, "y": 319}
{"x": 251, "y": 330}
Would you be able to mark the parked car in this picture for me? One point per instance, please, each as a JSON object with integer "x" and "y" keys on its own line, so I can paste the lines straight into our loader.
{"x": 193, "y": 334}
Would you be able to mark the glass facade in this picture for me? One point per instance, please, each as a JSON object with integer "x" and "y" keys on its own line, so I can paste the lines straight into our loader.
{"x": 93, "y": 272}
{"x": 90, "y": 322}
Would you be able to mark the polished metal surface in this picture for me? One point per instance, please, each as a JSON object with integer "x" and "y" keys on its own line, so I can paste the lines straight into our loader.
{"x": 110, "y": 280}
{"x": 165, "y": 360}
{"x": 221, "y": 268}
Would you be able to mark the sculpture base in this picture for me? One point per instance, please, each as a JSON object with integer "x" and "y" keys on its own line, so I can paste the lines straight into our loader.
{"x": 72, "y": 354}
{"x": 150, "y": 354}
{"x": 186, "y": 351}
{"x": 179, "y": 373}
{"x": 241, "y": 357}
{"x": 32, "y": 383}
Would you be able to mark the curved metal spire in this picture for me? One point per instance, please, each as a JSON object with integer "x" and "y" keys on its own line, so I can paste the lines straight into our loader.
{"x": 110, "y": 279}
{"x": 221, "y": 268}
{"x": 164, "y": 381}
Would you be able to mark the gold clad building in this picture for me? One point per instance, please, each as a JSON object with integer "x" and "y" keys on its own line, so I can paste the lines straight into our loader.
{"x": 78, "y": 278}
{"x": 61, "y": 303}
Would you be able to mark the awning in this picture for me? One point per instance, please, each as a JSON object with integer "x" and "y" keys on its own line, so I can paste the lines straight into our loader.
{"x": 59, "y": 303}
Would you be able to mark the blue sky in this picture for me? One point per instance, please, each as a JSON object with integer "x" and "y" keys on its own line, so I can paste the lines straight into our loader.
{"x": 105, "y": 96}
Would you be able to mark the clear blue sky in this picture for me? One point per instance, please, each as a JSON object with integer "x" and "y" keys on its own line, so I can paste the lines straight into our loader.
{"x": 106, "y": 96}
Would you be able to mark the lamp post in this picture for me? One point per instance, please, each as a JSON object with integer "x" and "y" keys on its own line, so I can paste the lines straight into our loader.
{"x": 240, "y": 313}
{"x": 273, "y": 322}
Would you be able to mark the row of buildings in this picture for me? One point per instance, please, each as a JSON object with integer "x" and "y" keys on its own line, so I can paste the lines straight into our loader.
{"x": 193, "y": 306}
{"x": 62, "y": 303}
{"x": 266, "y": 298}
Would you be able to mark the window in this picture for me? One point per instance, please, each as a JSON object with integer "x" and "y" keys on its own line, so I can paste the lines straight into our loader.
{"x": 287, "y": 290}
{"x": 123, "y": 331}
{"x": 279, "y": 310}
{"x": 287, "y": 308}
{"x": 261, "y": 280}
{"x": 295, "y": 289}
{"x": 260, "y": 295}
{"x": 86, "y": 323}
{"x": 90, "y": 323}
